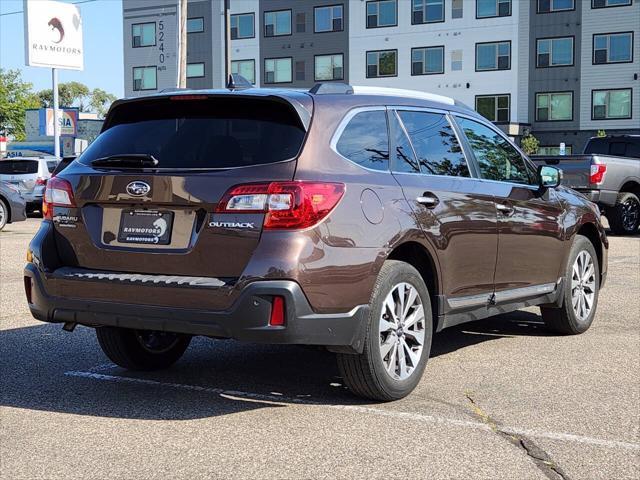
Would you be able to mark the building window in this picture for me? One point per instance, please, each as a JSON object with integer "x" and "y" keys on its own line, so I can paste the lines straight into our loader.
{"x": 427, "y": 11}
{"x": 278, "y": 70}
{"x": 328, "y": 19}
{"x": 548, "y": 6}
{"x": 382, "y": 13}
{"x": 195, "y": 70}
{"x": 493, "y": 8}
{"x": 277, "y": 23}
{"x": 552, "y": 107}
{"x": 456, "y": 60}
{"x": 145, "y": 78}
{"x": 554, "y": 52}
{"x": 427, "y": 60}
{"x": 300, "y": 71}
{"x": 382, "y": 63}
{"x": 456, "y": 8}
{"x": 329, "y": 67}
{"x": 610, "y": 3}
{"x": 301, "y": 22}
{"x": 553, "y": 150}
{"x": 143, "y": 34}
{"x": 613, "y": 48}
{"x": 611, "y": 104}
{"x": 242, "y": 26}
{"x": 494, "y": 107}
{"x": 245, "y": 68}
{"x": 493, "y": 56}
{"x": 195, "y": 25}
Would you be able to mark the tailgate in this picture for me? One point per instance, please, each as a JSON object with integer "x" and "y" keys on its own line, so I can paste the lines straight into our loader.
{"x": 575, "y": 168}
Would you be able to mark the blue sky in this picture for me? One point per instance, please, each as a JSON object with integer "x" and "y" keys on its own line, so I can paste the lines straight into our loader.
{"x": 102, "y": 29}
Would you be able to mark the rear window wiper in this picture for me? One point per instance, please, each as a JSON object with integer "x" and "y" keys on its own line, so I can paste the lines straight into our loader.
{"x": 126, "y": 160}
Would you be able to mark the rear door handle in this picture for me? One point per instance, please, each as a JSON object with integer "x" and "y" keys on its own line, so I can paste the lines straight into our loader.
{"x": 428, "y": 199}
{"x": 503, "y": 208}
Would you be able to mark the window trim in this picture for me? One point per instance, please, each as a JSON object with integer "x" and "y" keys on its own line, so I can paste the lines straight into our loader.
{"x": 611, "y": 6}
{"x": 444, "y": 14}
{"x": 497, "y": 10}
{"x": 630, "y": 117}
{"x": 264, "y": 70}
{"x": 204, "y": 69}
{"x": 264, "y": 20}
{"x": 247, "y": 60}
{"x": 315, "y": 79}
{"x": 425, "y": 48}
{"x": 366, "y": 66}
{"x": 539, "y": 12}
{"x": 552, "y": 93}
{"x": 573, "y": 51}
{"x": 253, "y": 14}
{"x": 155, "y": 36}
{"x": 195, "y": 31}
{"x": 366, "y": 15}
{"x": 494, "y": 95}
{"x": 593, "y": 47}
{"x": 328, "y": 6}
{"x": 497, "y": 55}
{"x": 133, "y": 72}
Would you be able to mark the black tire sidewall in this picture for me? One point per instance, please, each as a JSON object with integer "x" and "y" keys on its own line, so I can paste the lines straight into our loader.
{"x": 395, "y": 273}
{"x": 5, "y": 220}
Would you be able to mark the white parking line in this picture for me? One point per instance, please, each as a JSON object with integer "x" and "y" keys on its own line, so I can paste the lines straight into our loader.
{"x": 277, "y": 399}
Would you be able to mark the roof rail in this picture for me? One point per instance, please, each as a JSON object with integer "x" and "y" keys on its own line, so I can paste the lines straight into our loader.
{"x": 328, "y": 88}
{"x": 400, "y": 92}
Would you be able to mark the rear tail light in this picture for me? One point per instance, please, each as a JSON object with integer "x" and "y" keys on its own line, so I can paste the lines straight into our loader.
{"x": 597, "y": 173}
{"x": 277, "y": 312}
{"x": 286, "y": 205}
{"x": 58, "y": 193}
{"x": 41, "y": 181}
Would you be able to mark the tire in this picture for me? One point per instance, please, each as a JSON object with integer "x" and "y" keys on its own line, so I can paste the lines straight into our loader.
{"x": 4, "y": 214}
{"x": 570, "y": 320}
{"x": 141, "y": 349}
{"x": 624, "y": 217}
{"x": 369, "y": 374}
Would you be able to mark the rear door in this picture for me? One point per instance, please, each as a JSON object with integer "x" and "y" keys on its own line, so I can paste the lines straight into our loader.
{"x": 454, "y": 212}
{"x": 530, "y": 232}
{"x": 161, "y": 219}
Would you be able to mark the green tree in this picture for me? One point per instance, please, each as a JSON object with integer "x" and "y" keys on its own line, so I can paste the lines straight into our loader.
{"x": 16, "y": 97}
{"x": 602, "y": 133}
{"x": 100, "y": 101}
{"x": 530, "y": 144}
{"x": 70, "y": 94}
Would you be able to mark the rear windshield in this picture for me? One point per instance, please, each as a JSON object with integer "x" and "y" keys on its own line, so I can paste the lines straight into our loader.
{"x": 18, "y": 167}
{"x": 612, "y": 146}
{"x": 202, "y": 133}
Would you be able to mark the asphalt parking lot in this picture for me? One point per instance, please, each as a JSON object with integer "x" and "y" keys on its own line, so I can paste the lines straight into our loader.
{"x": 500, "y": 398}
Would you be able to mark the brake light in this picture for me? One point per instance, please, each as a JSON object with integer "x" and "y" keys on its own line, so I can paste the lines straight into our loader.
{"x": 597, "y": 173}
{"x": 58, "y": 193}
{"x": 287, "y": 205}
{"x": 188, "y": 97}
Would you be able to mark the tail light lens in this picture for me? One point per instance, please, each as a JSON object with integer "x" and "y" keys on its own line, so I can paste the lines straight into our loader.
{"x": 597, "y": 173}
{"x": 58, "y": 193}
{"x": 286, "y": 205}
{"x": 41, "y": 181}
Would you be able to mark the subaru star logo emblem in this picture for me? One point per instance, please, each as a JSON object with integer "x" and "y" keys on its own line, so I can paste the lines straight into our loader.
{"x": 138, "y": 188}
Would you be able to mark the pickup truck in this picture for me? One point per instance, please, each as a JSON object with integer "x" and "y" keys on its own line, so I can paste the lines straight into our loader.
{"x": 607, "y": 173}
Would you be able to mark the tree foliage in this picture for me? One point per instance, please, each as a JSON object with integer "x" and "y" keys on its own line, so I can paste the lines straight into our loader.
{"x": 530, "y": 144}
{"x": 16, "y": 96}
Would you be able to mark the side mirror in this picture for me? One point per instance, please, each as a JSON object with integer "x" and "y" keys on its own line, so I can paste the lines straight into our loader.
{"x": 549, "y": 177}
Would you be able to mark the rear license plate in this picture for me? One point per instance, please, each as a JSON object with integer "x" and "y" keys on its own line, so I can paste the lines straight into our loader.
{"x": 145, "y": 226}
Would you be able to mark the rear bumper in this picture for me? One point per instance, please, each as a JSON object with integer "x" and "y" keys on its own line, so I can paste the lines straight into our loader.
{"x": 246, "y": 320}
{"x": 604, "y": 198}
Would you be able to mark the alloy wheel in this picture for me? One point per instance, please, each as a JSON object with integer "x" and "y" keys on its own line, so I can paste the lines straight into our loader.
{"x": 630, "y": 213}
{"x": 583, "y": 285}
{"x": 402, "y": 331}
{"x": 3, "y": 215}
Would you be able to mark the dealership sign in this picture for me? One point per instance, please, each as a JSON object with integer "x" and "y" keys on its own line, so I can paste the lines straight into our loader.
{"x": 53, "y": 35}
{"x": 67, "y": 121}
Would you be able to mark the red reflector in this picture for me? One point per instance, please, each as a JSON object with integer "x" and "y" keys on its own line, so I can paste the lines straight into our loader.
{"x": 277, "y": 312}
{"x": 597, "y": 173}
{"x": 27, "y": 288}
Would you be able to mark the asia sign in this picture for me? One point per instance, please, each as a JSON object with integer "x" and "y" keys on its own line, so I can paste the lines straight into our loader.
{"x": 67, "y": 120}
{"x": 53, "y": 35}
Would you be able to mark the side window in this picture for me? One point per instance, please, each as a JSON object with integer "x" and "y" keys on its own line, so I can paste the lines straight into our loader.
{"x": 405, "y": 160}
{"x": 497, "y": 158}
{"x": 435, "y": 143}
{"x": 365, "y": 140}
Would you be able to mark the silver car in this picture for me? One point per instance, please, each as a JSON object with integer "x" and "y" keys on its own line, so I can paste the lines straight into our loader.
{"x": 12, "y": 205}
{"x": 29, "y": 175}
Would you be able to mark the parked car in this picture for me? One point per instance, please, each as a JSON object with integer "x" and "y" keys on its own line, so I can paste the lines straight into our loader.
{"x": 12, "y": 205}
{"x": 29, "y": 175}
{"x": 355, "y": 218}
{"x": 608, "y": 173}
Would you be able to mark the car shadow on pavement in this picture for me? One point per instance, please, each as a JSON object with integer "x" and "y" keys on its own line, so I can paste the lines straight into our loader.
{"x": 44, "y": 368}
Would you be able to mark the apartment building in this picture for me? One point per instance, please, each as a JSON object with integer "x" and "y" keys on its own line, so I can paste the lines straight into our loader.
{"x": 560, "y": 69}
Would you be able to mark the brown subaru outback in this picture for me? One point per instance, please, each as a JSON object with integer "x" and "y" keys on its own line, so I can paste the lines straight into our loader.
{"x": 359, "y": 219}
